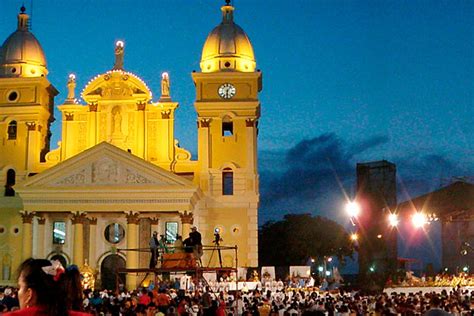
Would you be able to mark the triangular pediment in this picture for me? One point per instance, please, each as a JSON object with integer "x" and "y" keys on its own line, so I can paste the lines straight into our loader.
{"x": 105, "y": 165}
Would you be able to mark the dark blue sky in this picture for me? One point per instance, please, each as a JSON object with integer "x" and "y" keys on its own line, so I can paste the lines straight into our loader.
{"x": 344, "y": 82}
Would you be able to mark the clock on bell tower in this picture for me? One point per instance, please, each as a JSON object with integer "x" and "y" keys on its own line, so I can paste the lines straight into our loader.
{"x": 228, "y": 110}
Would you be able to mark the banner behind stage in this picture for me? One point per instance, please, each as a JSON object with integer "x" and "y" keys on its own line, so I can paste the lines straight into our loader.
{"x": 300, "y": 271}
{"x": 269, "y": 271}
{"x": 242, "y": 273}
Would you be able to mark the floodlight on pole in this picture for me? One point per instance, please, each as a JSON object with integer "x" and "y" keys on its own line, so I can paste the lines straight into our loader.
{"x": 353, "y": 209}
{"x": 354, "y": 237}
{"x": 393, "y": 220}
{"x": 419, "y": 219}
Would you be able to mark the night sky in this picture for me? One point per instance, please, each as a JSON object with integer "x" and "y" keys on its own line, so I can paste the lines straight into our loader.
{"x": 343, "y": 82}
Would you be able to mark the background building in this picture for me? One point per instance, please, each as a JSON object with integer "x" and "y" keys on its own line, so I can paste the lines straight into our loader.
{"x": 376, "y": 190}
{"x": 453, "y": 206}
{"x": 118, "y": 172}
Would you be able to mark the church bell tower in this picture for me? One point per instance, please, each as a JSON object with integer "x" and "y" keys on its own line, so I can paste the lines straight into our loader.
{"x": 26, "y": 101}
{"x": 228, "y": 110}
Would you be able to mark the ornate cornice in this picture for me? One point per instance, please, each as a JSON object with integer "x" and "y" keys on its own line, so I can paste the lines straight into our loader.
{"x": 132, "y": 218}
{"x": 111, "y": 201}
{"x": 93, "y": 107}
{"x": 78, "y": 218}
{"x": 205, "y": 122}
{"x": 154, "y": 220}
{"x": 165, "y": 114}
{"x": 250, "y": 122}
{"x": 141, "y": 106}
{"x": 69, "y": 116}
{"x": 31, "y": 126}
{"x": 27, "y": 217}
{"x": 187, "y": 218}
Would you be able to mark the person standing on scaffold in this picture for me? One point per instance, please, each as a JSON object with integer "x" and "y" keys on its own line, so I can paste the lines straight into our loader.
{"x": 154, "y": 244}
{"x": 196, "y": 242}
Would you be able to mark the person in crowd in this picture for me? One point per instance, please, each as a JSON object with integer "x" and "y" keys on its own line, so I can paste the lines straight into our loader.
{"x": 196, "y": 241}
{"x": 46, "y": 288}
{"x": 435, "y": 309}
{"x": 178, "y": 244}
{"x": 9, "y": 300}
{"x": 154, "y": 244}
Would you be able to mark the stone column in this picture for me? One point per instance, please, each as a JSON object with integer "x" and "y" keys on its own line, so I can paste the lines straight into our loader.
{"x": 92, "y": 128}
{"x": 67, "y": 147}
{"x": 251, "y": 127}
{"x": 41, "y": 237}
{"x": 204, "y": 153}
{"x": 92, "y": 241}
{"x": 78, "y": 244}
{"x": 186, "y": 222}
{"x": 27, "y": 248}
{"x": 203, "y": 145}
{"x": 132, "y": 243}
{"x": 32, "y": 153}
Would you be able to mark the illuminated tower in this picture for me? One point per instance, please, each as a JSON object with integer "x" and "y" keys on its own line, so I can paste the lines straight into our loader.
{"x": 26, "y": 101}
{"x": 228, "y": 111}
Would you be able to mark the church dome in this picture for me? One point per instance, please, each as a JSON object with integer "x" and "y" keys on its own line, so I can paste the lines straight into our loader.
{"x": 227, "y": 48}
{"x": 21, "y": 55}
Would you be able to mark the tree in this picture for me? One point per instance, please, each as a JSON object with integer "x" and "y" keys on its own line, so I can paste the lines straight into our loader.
{"x": 298, "y": 237}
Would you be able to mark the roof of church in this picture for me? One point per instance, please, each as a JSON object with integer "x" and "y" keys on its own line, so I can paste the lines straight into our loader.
{"x": 225, "y": 43}
{"x": 22, "y": 47}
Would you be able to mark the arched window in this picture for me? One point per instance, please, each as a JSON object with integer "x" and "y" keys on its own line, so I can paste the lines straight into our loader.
{"x": 11, "y": 175}
{"x": 12, "y": 127}
{"x": 227, "y": 182}
{"x": 227, "y": 126}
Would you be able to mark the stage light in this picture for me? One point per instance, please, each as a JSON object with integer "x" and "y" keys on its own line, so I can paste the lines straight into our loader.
{"x": 328, "y": 273}
{"x": 329, "y": 259}
{"x": 320, "y": 269}
{"x": 393, "y": 220}
{"x": 372, "y": 269}
{"x": 354, "y": 237}
{"x": 465, "y": 269}
{"x": 419, "y": 219}
{"x": 353, "y": 209}
{"x": 379, "y": 236}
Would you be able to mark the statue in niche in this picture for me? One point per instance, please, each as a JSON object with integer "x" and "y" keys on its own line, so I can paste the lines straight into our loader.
{"x": 71, "y": 86}
{"x": 165, "y": 85}
{"x": 116, "y": 121}
{"x": 119, "y": 52}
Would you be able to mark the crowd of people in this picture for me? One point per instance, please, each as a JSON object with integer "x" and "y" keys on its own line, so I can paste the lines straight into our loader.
{"x": 46, "y": 288}
{"x": 440, "y": 280}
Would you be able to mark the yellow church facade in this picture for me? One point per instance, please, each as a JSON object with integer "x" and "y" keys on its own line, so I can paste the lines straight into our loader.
{"x": 118, "y": 172}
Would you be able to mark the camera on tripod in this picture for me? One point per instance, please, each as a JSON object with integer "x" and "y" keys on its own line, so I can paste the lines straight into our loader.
{"x": 217, "y": 237}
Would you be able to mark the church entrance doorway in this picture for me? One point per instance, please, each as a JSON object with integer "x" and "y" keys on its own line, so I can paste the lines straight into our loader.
{"x": 108, "y": 272}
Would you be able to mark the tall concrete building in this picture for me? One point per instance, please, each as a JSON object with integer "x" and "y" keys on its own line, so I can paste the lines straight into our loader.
{"x": 376, "y": 191}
